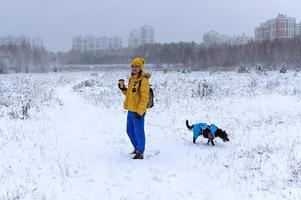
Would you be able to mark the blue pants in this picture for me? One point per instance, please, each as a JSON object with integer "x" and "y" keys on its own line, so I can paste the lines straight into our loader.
{"x": 135, "y": 131}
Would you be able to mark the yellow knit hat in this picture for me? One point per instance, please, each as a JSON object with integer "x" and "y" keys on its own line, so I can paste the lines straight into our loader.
{"x": 138, "y": 62}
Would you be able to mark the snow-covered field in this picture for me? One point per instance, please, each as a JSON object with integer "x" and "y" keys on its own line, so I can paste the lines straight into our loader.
{"x": 71, "y": 143}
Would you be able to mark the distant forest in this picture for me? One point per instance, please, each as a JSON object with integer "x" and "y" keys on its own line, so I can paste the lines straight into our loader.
{"x": 276, "y": 52}
{"x": 273, "y": 53}
{"x": 23, "y": 58}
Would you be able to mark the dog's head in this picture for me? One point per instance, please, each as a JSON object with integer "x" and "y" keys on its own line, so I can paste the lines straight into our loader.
{"x": 222, "y": 134}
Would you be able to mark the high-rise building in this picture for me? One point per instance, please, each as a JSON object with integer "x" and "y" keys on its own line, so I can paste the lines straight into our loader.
{"x": 279, "y": 27}
{"x": 134, "y": 39}
{"x": 298, "y": 29}
{"x": 101, "y": 43}
{"x": 35, "y": 42}
{"x": 144, "y": 35}
{"x": 114, "y": 42}
{"x": 240, "y": 39}
{"x": 260, "y": 33}
{"x": 15, "y": 40}
{"x": 77, "y": 43}
{"x": 213, "y": 39}
{"x": 91, "y": 43}
{"x": 147, "y": 34}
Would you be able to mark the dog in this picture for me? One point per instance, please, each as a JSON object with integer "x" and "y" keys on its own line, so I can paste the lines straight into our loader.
{"x": 208, "y": 131}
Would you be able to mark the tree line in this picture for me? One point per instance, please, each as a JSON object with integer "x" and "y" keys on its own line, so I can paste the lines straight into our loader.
{"x": 23, "y": 58}
{"x": 276, "y": 52}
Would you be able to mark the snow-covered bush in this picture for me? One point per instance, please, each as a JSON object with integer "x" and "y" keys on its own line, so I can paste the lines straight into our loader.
{"x": 261, "y": 70}
{"x": 87, "y": 83}
{"x": 243, "y": 69}
{"x": 294, "y": 161}
{"x": 25, "y": 94}
{"x": 283, "y": 70}
{"x": 203, "y": 90}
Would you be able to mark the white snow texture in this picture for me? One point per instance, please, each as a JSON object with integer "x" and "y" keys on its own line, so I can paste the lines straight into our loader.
{"x": 71, "y": 143}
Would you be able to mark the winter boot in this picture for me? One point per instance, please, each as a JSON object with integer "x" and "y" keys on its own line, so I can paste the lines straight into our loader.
{"x": 138, "y": 155}
{"x": 134, "y": 152}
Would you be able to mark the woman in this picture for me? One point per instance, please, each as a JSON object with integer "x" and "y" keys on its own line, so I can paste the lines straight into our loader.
{"x": 136, "y": 100}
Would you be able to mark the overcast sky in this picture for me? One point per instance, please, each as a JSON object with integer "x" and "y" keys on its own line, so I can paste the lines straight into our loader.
{"x": 57, "y": 21}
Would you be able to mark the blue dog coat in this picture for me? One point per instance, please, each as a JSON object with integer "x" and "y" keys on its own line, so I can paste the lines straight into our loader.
{"x": 213, "y": 128}
{"x": 198, "y": 129}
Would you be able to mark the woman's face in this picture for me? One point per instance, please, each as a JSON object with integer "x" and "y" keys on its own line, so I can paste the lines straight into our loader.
{"x": 135, "y": 69}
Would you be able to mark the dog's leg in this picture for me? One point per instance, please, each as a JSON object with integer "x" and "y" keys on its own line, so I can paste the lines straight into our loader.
{"x": 212, "y": 142}
{"x": 208, "y": 142}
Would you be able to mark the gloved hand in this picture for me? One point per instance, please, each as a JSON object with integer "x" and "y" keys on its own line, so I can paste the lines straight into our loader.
{"x": 137, "y": 116}
{"x": 121, "y": 85}
{"x": 194, "y": 139}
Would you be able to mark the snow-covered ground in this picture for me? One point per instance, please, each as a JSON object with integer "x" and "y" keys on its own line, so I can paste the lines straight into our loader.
{"x": 72, "y": 143}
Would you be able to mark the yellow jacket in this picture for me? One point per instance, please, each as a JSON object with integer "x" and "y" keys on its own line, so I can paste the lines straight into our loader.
{"x": 137, "y": 95}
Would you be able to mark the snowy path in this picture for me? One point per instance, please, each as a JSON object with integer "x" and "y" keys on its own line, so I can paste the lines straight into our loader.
{"x": 99, "y": 164}
{"x": 84, "y": 141}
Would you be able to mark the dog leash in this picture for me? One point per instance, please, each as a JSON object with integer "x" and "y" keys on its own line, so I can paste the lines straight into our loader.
{"x": 161, "y": 126}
